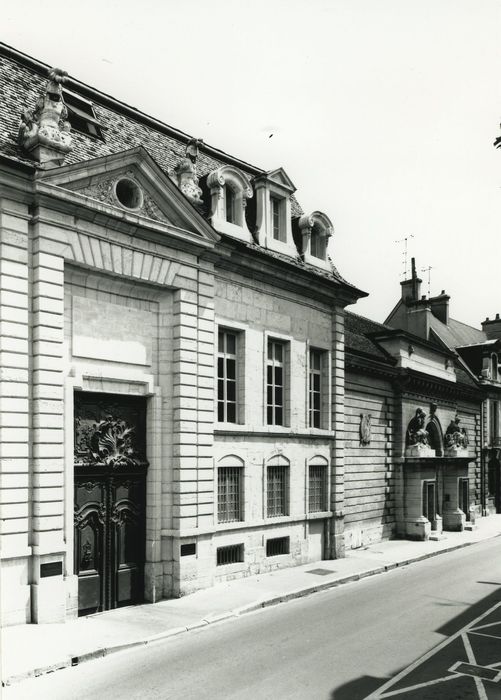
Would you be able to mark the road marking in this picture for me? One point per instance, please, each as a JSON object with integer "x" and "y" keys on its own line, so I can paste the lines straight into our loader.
{"x": 471, "y": 658}
{"x": 485, "y": 672}
{"x": 418, "y": 685}
{"x": 381, "y": 692}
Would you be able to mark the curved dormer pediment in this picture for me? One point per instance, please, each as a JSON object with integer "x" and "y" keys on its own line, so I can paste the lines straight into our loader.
{"x": 316, "y": 229}
{"x": 230, "y": 189}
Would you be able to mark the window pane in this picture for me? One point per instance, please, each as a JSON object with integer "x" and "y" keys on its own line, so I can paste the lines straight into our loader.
{"x": 220, "y": 341}
{"x": 270, "y": 351}
{"x": 231, "y": 343}
{"x": 278, "y": 352}
{"x": 279, "y": 377}
{"x": 220, "y": 389}
{"x": 278, "y": 396}
{"x": 220, "y": 411}
{"x": 278, "y": 416}
{"x": 269, "y": 374}
{"x": 231, "y": 411}
{"x": 231, "y": 393}
{"x": 269, "y": 415}
{"x": 220, "y": 367}
{"x": 230, "y": 369}
{"x": 269, "y": 395}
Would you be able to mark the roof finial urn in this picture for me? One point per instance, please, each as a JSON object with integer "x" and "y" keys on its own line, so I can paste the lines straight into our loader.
{"x": 186, "y": 173}
{"x": 44, "y": 131}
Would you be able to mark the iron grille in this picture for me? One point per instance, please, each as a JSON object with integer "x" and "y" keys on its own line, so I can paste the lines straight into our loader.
{"x": 317, "y": 488}
{"x": 229, "y": 494}
{"x": 231, "y": 554}
{"x": 277, "y": 483}
{"x": 277, "y": 545}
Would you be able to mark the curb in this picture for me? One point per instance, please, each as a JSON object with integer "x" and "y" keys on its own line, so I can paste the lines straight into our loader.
{"x": 237, "y": 612}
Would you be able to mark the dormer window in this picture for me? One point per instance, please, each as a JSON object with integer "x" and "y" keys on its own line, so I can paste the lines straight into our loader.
{"x": 81, "y": 115}
{"x": 229, "y": 189}
{"x": 494, "y": 367}
{"x": 273, "y": 211}
{"x": 277, "y": 223}
{"x": 315, "y": 231}
{"x": 230, "y": 202}
{"x": 317, "y": 243}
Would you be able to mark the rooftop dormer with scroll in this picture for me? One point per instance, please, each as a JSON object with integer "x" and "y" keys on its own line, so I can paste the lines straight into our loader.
{"x": 273, "y": 211}
{"x": 314, "y": 231}
{"x": 229, "y": 189}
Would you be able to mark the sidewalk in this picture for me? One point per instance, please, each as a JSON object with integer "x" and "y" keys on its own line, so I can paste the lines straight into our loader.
{"x": 49, "y": 647}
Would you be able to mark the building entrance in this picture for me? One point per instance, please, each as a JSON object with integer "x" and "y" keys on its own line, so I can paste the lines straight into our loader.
{"x": 110, "y": 500}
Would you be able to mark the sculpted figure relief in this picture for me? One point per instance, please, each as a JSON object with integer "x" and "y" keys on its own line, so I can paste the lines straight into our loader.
{"x": 416, "y": 433}
{"x": 455, "y": 435}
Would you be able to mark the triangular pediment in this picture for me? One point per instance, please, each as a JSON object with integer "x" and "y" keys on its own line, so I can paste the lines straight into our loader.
{"x": 131, "y": 182}
{"x": 280, "y": 177}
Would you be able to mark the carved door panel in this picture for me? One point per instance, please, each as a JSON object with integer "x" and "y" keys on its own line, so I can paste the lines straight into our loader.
{"x": 90, "y": 497}
{"x": 128, "y": 538}
{"x": 110, "y": 500}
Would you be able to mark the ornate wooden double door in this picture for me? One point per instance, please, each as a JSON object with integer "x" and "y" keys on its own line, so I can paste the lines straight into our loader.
{"x": 110, "y": 500}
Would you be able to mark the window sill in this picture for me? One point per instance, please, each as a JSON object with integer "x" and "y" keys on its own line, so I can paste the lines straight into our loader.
{"x": 248, "y": 525}
{"x": 272, "y": 431}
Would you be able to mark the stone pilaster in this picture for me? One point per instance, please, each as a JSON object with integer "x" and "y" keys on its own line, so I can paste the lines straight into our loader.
{"x": 337, "y": 454}
{"x": 14, "y": 413}
{"x": 48, "y": 593}
{"x": 193, "y": 388}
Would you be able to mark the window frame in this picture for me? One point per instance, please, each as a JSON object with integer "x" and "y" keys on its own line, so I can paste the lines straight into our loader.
{"x": 283, "y": 508}
{"x": 274, "y": 364}
{"x": 224, "y": 357}
{"x": 237, "y": 468}
{"x": 81, "y": 114}
{"x": 322, "y": 501}
{"x": 277, "y": 210}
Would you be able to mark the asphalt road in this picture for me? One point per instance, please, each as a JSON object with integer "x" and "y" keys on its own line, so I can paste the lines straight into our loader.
{"x": 364, "y": 638}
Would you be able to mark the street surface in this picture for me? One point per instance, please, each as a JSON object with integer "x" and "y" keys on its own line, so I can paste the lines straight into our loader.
{"x": 431, "y": 630}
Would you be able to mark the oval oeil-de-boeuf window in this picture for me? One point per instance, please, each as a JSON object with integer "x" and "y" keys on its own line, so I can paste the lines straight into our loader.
{"x": 129, "y": 193}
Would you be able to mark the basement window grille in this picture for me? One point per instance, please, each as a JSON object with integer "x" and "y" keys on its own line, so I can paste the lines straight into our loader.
{"x": 188, "y": 549}
{"x": 277, "y": 546}
{"x": 232, "y": 554}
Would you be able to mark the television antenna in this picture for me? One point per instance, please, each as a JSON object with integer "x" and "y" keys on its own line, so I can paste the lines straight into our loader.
{"x": 428, "y": 270}
{"x": 404, "y": 252}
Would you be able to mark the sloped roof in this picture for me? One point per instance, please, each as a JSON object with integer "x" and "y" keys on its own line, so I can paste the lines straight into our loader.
{"x": 124, "y": 127}
{"x": 357, "y": 331}
{"x": 23, "y": 80}
{"x": 456, "y": 333}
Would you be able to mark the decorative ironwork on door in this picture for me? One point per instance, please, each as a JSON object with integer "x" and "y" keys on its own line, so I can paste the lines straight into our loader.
{"x": 110, "y": 500}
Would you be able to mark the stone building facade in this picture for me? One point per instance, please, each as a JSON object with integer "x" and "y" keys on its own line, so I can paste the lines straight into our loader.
{"x": 174, "y": 407}
{"x": 172, "y": 359}
{"x": 413, "y": 436}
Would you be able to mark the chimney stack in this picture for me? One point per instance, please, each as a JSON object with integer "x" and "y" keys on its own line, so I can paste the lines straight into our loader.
{"x": 492, "y": 329}
{"x": 411, "y": 289}
{"x": 440, "y": 306}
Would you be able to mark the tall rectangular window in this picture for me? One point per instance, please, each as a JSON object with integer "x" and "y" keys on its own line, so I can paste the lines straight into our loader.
{"x": 317, "y": 488}
{"x": 317, "y": 245}
{"x": 277, "y": 491}
{"x": 230, "y": 201}
{"x": 275, "y": 383}
{"x": 276, "y": 218}
{"x": 315, "y": 389}
{"x": 229, "y": 494}
{"x": 227, "y": 377}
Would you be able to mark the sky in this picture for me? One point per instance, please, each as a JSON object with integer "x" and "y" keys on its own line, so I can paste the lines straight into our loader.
{"x": 382, "y": 112}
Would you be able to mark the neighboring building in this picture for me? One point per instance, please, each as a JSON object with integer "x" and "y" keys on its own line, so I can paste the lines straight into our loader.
{"x": 172, "y": 359}
{"x": 411, "y": 470}
{"x": 477, "y": 355}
